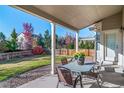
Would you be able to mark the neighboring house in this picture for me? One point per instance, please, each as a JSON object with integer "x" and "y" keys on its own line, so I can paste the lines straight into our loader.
{"x": 110, "y": 39}
{"x": 84, "y": 39}
{"x": 21, "y": 39}
{"x": 35, "y": 39}
{"x": 91, "y": 40}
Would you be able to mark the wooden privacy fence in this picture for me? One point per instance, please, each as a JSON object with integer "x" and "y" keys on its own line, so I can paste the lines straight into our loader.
{"x": 87, "y": 52}
{"x": 19, "y": 54}
{"x": 11, "y": 55}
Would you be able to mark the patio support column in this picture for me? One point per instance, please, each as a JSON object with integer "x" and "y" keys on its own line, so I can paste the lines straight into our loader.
{"x": 53, "y": 46}
{"x": 95, "y": 47}
{"x": 76, "y": 41}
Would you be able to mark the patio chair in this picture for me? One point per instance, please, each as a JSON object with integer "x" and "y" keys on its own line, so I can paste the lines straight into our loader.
{"x": 64, "y": 61}
{"x": 65, "y": 77}
{"x": 97, "y": 67}
{"x": 95, "y": 74}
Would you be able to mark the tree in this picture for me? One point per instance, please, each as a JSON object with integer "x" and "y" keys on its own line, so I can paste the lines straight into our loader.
{"x": 2, "y": 37}
{"x": 69, "y": 41}
{"x": 28, "y": 30}
{"x": 12, "y": 44}
{"x": 57, "y": 41}
{"x": 61, "y": 42}
{"x": 91, "y": 45}
{"x": 47, "y": 39}
{"x": 86, "y": 44}
{"x": 82, "y": 45}
{"x": 3, "y": 47}
{"x": 40, "y": 41}
{"x": 14, "y": 39}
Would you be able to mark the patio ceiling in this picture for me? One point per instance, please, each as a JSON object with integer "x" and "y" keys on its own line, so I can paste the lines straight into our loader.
{"x": 74, "y": 17}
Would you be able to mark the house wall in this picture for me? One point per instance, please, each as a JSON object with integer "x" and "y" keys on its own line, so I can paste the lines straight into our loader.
{"x": 101, "y": 55}
{"x": 123, "y": 36}
{"x": 20, "y": 40}
{"x": 112, "y": 22}
{"x": 109, "y": 24}
{"x": 120, "y": 47}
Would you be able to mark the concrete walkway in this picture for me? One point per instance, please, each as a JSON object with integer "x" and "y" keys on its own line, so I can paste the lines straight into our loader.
{"x": 47, "y": 81}
{"x": 111, "y": 80}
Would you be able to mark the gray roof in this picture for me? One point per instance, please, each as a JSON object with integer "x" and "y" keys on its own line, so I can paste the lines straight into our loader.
{"x": 87, "y": 39}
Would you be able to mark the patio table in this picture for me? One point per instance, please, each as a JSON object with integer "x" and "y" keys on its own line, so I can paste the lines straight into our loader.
{"x": 79, "y": 69}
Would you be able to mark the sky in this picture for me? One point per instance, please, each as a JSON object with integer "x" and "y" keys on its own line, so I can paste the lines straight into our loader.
{"x": 11, "y": 18}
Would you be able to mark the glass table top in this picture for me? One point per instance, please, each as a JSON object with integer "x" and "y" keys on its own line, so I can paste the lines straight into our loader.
{"x": 75, "y": 67}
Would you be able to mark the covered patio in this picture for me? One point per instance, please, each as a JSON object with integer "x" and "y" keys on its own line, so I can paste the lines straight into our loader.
{"x": 74, "y": 17}
{"x": 77, "y": 18}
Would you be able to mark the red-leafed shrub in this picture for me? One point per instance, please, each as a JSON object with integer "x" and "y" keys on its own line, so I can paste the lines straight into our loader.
{"x": 37, "y": 50}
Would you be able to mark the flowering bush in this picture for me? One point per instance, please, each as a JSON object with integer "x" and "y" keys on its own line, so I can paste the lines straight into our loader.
{"x": 79, "y": 55}
{"x": 37, "y": 50}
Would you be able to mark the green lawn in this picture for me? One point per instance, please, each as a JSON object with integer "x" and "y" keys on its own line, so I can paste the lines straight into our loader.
{"x": 17, "y": 66}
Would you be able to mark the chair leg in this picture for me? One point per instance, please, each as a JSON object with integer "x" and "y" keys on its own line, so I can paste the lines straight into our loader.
{"x": 98, "y": 82}
{"x": 75, "y": 82}
{"x": 81, "y": 85}
{"x": 99, "y": 78}
{"x": 57, "y": 84}
{"x": 78, "y": 78}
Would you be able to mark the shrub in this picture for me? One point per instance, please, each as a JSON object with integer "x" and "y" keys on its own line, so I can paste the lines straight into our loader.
{"x": 79, "y": 55}
{"x": 37, "y": 50}
{"x": 47, "y": 51}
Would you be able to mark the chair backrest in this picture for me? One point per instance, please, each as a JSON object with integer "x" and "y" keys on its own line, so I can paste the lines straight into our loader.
{"x": 64, "y": 61}
{"x": 100, "y": 64}
{"x": 64, "y": 75}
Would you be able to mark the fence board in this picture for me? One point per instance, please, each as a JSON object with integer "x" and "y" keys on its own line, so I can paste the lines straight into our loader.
{"x": 87, "y": 52}
{"x": 10, "y": 55}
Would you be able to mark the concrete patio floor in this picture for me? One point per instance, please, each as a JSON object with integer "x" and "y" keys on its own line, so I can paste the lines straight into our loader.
{"x": 111, "y": 80}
